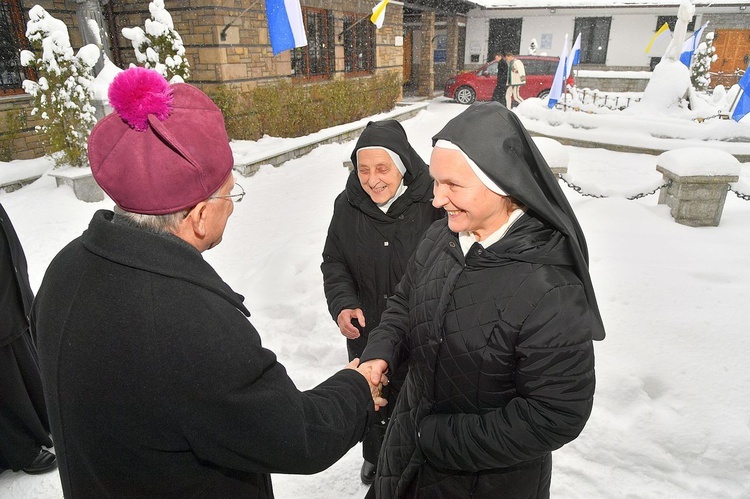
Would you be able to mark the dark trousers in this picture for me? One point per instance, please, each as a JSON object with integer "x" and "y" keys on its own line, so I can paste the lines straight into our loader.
{"x": 24, "y": 427}
{"x": 499, "y": 94}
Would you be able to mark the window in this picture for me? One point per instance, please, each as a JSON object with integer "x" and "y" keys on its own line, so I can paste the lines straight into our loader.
{"x": 594, "y": 38}
{"x": 316, "y": 60}
{"x": 359, "y": 44}
{"x": 12, "y": 40}
{"x": 671, "y": 21}
{"x": 540, "y": 66}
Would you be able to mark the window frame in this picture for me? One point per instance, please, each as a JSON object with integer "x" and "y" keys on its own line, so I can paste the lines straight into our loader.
{"x": 353, "y": 26}
{"x": 301, "y": 55}
{"x": 588, "y": 27}
{"x": 17, "y": 34}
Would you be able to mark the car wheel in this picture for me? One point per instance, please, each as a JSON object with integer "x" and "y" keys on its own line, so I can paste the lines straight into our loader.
{"x": 543, "y": 94}
{"x": 465, "y": 95}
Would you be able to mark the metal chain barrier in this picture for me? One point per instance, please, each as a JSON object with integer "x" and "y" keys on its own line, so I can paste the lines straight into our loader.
{"x": 745, "y": 197}
{"x": 579, "y": 190}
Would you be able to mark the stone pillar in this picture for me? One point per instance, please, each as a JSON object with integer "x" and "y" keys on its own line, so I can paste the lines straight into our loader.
{"x": 451, "y": 52}
{"x": 426, "y": 84}
{"x": 697, "y": 192}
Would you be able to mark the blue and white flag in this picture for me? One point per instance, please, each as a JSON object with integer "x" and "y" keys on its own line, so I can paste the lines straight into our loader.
{"x": 743, "y": 103}
{"x": 558, "y": 83}
{"x": 286, "y": 29}
{"x": 574, "y": 57}
{"x": 689, "y": 46}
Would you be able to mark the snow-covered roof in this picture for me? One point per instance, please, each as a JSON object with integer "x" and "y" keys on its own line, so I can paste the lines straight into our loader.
{"x": 561, "y": 4}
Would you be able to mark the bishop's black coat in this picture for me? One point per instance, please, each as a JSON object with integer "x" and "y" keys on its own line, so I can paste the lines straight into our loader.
{"x": 158, "y": 385}
{"x": 498, "y": 342}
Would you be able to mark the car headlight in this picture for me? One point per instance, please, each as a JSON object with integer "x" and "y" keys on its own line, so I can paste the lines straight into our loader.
{"x": 450, "y": 81}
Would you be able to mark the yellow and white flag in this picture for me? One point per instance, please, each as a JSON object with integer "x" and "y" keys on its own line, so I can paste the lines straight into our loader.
{"x": 378, "y": 14}
{"x": 664, "y": 29}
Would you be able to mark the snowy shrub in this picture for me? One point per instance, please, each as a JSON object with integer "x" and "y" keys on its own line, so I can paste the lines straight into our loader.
{"x": 159, "y": 47}
{"x": 62, "y": 92}
{"x": 704, "y": 56}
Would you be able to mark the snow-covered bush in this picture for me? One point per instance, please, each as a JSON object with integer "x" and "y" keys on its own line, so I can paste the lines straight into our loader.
{"x": 159, "y": 47}
{"x": 62, "y": 95}
{"x": 705, "y": 54}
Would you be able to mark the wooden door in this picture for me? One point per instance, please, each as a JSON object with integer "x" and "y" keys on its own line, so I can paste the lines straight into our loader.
{"x": 407, "y": 56}
{"x": 733, "y": 53}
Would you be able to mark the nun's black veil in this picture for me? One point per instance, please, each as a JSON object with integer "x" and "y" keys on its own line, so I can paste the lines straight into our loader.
{"x": 494, "y": 138}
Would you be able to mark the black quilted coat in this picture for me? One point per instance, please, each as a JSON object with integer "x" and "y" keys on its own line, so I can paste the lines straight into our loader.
{"x": 498, "y": 342}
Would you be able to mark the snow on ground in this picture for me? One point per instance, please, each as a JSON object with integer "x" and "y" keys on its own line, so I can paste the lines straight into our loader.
{"x": 671, "y": 416}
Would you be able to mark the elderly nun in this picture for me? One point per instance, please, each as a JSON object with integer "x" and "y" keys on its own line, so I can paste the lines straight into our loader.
{"x": 377, "y": 222}
{"x": 495, "y": 317}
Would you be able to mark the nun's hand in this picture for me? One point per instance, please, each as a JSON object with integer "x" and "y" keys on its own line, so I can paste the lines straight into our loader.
{"x": 345, "y": 322}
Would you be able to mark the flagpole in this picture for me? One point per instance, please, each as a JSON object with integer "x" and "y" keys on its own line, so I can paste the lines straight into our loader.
{"x": 223, "y": 33}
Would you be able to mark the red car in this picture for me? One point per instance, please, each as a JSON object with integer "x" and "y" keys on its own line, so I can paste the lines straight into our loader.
{"x": 467, "y": 87}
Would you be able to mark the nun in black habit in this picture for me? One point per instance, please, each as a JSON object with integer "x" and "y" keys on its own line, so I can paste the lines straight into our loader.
{"x": 495, "y": 316}
{"x": 24, "y": 427}
{"x": 377, "y": 222}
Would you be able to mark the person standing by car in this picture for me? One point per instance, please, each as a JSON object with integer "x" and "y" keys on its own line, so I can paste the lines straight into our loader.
{"x": 501, "y": 86}
{"x": 24, "y": 426}
{"x": 496, "y": 314}
{"x": 516, "y": 78}
{"x": 377, "y": 222}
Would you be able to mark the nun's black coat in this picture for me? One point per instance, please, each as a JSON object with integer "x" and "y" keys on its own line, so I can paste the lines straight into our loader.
{"x": 23, "y": 414}
{"x": 366, "y": 250}
{"x": 498, "y": 342}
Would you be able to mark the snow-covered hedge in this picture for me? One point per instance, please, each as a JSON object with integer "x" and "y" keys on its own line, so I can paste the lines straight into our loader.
{"x": 62, "y": 95}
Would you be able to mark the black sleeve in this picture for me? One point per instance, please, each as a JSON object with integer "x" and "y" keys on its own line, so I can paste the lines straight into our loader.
{"x": 240, "y": 410}
{"x": 555, "y": 383}
{"x": 338, "y": 283}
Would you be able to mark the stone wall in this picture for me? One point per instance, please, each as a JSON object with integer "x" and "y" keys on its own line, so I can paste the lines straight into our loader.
{"x": 242, "y": 60}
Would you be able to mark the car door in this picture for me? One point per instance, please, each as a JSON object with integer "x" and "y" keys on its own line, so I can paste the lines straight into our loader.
{"x": 486, "y": 82}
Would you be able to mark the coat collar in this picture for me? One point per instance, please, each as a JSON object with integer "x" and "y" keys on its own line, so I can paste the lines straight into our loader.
{"x": 162, "y": 254}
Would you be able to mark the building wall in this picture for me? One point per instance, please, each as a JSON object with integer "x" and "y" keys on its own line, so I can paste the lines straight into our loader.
{"x": 243, "y": 60}
{"x": 630, "y": 30}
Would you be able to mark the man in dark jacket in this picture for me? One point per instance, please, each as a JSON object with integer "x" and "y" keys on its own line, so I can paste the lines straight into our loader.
{"x": 377, "y": 222}
{"x": 496, "y": 314}
{"x": 498, "y": 95}
{"x": 156, "y": 382}
{"x": 23, "y": 414}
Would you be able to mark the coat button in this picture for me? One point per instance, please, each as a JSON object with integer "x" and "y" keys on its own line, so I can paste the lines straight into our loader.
{"x": 385, "y": 296}
{"x": 400, "y": 217}
{"x": 479, "y": 252}
{"x": 452, "y": 244}
{"x": 385, "y": 243}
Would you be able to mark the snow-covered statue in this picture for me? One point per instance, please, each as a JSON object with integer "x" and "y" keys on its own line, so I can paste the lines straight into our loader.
{"x": 670, "y": 88}
{"x": 533, "y": 46}
{"x": 91, "y": 24}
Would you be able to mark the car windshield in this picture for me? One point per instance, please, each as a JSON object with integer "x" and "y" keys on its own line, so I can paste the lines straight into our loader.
{"x": 491, "y": 70}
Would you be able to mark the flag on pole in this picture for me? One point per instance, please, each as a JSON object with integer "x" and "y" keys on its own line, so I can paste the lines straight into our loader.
{"x": 558, "y": 82}
{"x": 286, "y": 29}
{"x": 743, "y": 103}
{"x": 574, "y": 57}
{"x": 378, "y": 14}
{"x": 661, "y": 31}
{"x": 690, "y": 45}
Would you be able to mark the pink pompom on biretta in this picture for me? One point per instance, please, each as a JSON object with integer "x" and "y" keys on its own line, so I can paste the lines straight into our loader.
{"x": 138, "y": 92}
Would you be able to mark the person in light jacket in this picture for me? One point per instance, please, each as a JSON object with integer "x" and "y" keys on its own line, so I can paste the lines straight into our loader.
{"x": 377, "y": 222}
{"x": 516, "y": 78}
{"x": 156, "y": 382}
{"x": 495, "y": 316}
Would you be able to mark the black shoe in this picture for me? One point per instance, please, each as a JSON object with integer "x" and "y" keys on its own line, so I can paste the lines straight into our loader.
{"x": 44, "y": 462}
{"x": 368, "y": 472}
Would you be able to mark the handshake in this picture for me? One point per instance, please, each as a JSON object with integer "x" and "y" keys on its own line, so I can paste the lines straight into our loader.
{"x": 373, "y": 371}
